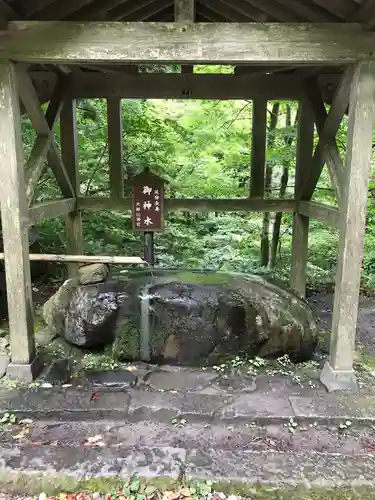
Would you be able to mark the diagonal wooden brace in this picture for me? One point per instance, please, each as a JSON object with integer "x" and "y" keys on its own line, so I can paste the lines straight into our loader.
{"x": 45, "y": 145}
{"x": 35, "y": 164}
{"x": 327, "y": 126}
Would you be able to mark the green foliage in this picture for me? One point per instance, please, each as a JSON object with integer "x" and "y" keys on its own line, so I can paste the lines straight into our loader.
{"x": 203, "y": 149}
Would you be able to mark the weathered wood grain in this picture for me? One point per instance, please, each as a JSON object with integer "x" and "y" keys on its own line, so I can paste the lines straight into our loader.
{"x": 229, "y": 43}
{"x": 193, "y": 205}
{"x": 327, "y": 134}
{"x": 116, "y": 171}
{"x": 51, "y": 209}
{"x": 73, "y": 222}
{"x": 321, "y": 212}
{"x": 258, "y": 148}
{"x": 76, "y": 259}
{"x": 43, "y": 127}
{"x": 14, "y": 218}
{"x": 353, "y": 216}
{"x": 184, "y": 10}
{"x": 300, "y": 234}
{"x": 35, "y": 163}
{"x": 177, "y": 86}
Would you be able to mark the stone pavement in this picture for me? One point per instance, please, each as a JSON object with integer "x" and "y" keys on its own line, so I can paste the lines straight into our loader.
{"x": 183, "y": 423}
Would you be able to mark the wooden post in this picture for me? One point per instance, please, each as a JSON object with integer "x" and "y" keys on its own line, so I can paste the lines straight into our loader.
{"x": 149, "y": 247}
{"x": 258, "y": 147}
{"x": 300, "y": 236}
{"x": 116, "y": 173}
{"x": 73, "y": 223}
{"x": 14, "y": 217}
{"x": 184, "y": 11}
{"x": 338, "y": 372}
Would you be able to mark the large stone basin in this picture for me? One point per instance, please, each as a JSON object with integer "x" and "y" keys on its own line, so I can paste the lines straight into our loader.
{"x": 183, "y": 317}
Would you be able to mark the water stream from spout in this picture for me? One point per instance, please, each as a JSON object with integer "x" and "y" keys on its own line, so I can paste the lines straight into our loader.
{"x": 144, "y": 333}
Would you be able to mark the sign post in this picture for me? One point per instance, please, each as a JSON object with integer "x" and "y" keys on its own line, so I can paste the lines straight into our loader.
{"x": 148, "y": 209}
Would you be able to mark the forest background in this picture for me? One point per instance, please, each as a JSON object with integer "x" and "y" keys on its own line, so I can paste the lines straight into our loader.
{"x": 203, "y": 150}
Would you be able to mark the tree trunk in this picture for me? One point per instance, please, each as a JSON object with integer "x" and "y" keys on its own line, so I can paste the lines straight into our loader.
{"x": 264, "y": 242}
{"x": 283, "y": 185}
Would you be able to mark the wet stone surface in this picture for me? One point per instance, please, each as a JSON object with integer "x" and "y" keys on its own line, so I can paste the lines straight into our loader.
{"x": 125, "y": 463}
{"x": 280, "y": 468}
{"x": 118, "y": 379}
{"x": 166, "y": 406}
{"x": 179, "y": 380}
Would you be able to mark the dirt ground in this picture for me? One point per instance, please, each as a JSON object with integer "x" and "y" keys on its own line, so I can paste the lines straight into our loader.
{"x": 322, "y": 304}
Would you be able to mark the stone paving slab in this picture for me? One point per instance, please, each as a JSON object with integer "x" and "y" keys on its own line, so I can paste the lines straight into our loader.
{"x": 94, "y": 462}
{"x": 318, "y": 469}
{"x": 261, "y": 406}
{"x": 246, "y": 466}
{"x": 341, "y": 406}
{"x": 166, "y": 406}
{"x": 256, "y": 406}
{"x": 68, "y": 403}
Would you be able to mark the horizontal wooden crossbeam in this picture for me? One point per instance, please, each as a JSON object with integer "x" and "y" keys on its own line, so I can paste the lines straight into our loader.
{"x": 184, "y": 86}
{"x": 56, "y": 208}
{"x": 193, "y": 205}
{"x": 104, "y": 259}
{"x": 281, "y": 43}
{"x": 51, "y": 209}
{"x": 320, "y": 212}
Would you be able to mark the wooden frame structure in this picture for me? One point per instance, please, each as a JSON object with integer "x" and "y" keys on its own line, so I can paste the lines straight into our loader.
{"x": 313, "y": 51}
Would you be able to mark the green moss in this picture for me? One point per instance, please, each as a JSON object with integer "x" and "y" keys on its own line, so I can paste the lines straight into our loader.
{"x": 269, "y": 492}
{"x": 127, "y": 343}
{"x": 366, "y": 359}
{"x": 54, "y": 484}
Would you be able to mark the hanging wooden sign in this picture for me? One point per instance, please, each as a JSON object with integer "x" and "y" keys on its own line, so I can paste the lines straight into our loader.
{"x": 148, "y": 203}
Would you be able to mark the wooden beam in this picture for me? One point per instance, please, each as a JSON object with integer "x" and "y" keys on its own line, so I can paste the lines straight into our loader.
{"x": 14, "y": 218}
{"x": 59, "y": 10}
{"x": 300, "y": 231}
{"x": 365, "y": 12}
{"x": 330, "y": 128}
{"x": 7, "y": 13}
{"x": 184, "y": 11}
{"x": 309, "y": 12}
{"x": 102, "y": 259}
{"x": 32, "y": 6}
{"x": 221, "y": 8}
{"x": 93, "y": 203}
{"x": 42, "y": 127}
{"x": 69, "y": 149}
{"x": 276, "y": 11}
{"x": 210, "y": 15}
{"x": 248, "y": 11}
{"x": 149, "y": 11}
{"x": 258, "y": 148}
{"x": 319, "y": 211}
{"x": 116, "y": 171}
{"x": 338, "y": 8}
{"x": 226, "y": 43}
{"x": 38, "y": 155}
{"x": 96, "y": 10}
{"x": 127, "y": 9}
{"x": 338, "y": 373}
{"x": 328, "y": 149}
{"x": 51, "y": 209}
{"x": 177, "y": 86}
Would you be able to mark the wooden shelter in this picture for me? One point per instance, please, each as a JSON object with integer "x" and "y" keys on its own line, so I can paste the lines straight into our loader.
{"x": 308, "y": 50}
